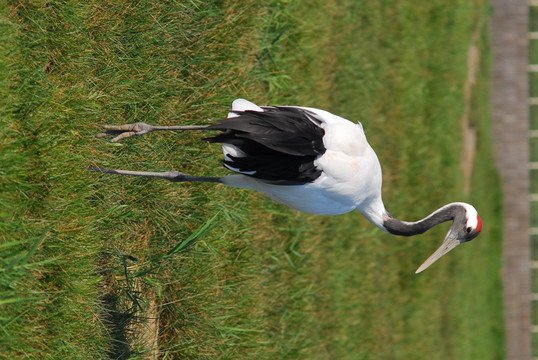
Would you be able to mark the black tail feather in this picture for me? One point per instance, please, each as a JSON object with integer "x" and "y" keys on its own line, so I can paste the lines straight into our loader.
{"x": 281, "y": 143}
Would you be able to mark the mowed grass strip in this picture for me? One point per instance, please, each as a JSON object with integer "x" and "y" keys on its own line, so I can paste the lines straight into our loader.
{"x": 101, "y": 266}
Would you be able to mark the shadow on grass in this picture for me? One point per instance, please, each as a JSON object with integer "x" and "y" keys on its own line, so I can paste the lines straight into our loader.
{"x": 119, "y": 307}
{"x": 118, "y": 321}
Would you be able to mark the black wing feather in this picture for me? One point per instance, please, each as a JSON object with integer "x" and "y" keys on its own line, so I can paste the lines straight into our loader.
{"x": 281, "y": 143}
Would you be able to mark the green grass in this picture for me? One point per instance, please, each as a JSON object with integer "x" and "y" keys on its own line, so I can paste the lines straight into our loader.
{"x": 88, "y": 261}
{"x": 534, "y": 117}
{"x": 534, "y": 149}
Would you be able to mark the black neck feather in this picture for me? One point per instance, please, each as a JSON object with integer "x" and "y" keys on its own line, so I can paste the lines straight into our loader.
{"x": 446, "y": 213}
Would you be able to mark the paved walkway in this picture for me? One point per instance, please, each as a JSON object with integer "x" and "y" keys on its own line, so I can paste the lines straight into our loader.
{"x": 511, "y": 128}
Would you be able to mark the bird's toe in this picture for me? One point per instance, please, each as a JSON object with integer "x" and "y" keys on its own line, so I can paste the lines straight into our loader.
{"x": 120, "y": 132}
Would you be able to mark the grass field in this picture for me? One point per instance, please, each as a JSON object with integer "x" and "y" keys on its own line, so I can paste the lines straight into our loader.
{"x": 95, "y": 266}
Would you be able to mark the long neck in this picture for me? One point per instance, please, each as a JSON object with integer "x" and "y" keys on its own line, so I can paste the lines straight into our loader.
{"x": 399, "y": 227}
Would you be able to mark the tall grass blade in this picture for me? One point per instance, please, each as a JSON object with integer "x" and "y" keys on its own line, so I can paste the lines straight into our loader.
{"x": 184, "y": 245}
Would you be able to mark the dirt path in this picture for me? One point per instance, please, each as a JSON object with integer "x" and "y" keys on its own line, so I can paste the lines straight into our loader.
{"x": 469, "y": 132}
{"x": 510, "y": 128}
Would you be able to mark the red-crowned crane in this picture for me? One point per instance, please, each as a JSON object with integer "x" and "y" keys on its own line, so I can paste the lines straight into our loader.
{"x": 309, "y": 160}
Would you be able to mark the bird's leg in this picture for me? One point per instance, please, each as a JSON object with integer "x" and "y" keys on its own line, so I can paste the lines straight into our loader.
{"x": 121, "y": 132}
{"x": 173, "y": 176}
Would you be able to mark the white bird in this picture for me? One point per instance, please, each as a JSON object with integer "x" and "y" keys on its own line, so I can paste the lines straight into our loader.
{"x": 309, "y": 160}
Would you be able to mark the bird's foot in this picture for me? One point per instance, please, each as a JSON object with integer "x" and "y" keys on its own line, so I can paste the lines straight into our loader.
{"x": 121, "y": 132}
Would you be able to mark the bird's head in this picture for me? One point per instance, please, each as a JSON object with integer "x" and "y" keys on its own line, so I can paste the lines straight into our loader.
{"x": 466, "y": 226}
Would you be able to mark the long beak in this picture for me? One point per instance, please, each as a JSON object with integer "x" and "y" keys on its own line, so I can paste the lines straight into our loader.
{"x": 448, "y": 244}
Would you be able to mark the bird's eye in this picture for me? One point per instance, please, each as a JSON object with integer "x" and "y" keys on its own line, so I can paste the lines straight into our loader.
{"x": 469, "y": 229}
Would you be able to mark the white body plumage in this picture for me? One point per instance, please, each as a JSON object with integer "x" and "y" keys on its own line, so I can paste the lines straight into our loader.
{"x": 351, "y": 174}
